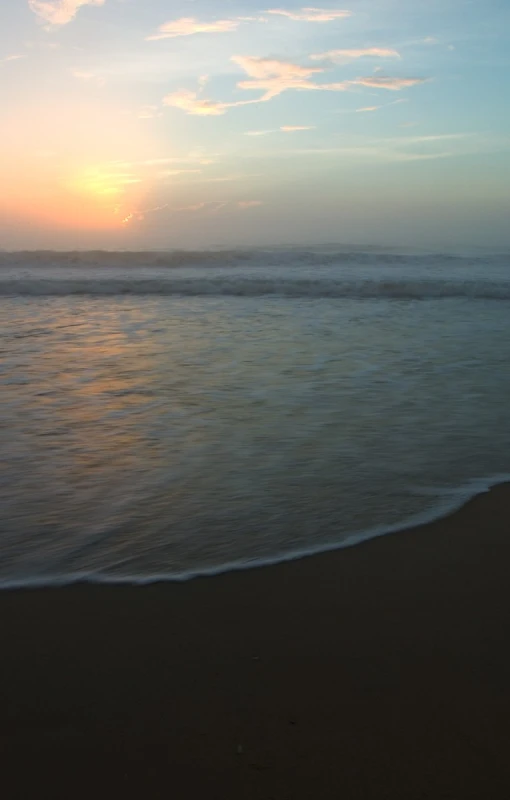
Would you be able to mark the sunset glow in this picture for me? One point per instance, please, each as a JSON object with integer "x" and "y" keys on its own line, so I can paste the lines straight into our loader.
{"x": 111, "y": 110}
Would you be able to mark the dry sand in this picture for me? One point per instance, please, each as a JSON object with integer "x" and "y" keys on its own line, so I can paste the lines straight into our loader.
{"x": 381, "y": 671}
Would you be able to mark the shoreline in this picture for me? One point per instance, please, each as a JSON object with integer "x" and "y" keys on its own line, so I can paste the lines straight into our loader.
{"x": 454, "y": 501}
{"x": 375, "y": 671}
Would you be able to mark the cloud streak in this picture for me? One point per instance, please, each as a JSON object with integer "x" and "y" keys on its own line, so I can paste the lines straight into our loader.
{"x": 395, "y": 149}
{"x": 366, "y": 109}
{"x": 191, "y": 158}
{"x": 7, "y": 59}
{"x": 171, "y": 173}
{"x": 139, "y": 216}
{"x": 60, "y": 12}
{"x": 294, "y": 128}
{"x": 188, "y": 26}
{"x": 206, "y": 206}
{"x": 272, "y": 77}
{"x": 392, "y": 84}
{"x": 227, "y": 178}
{"x": 282, "y": 129}
{"x": 191, "y": 103}
{"x": 344, "y": 56}
{"x": 311, "y": 14}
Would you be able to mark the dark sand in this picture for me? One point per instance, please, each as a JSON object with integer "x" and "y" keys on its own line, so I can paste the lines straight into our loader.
{"x": 382, "y": 671}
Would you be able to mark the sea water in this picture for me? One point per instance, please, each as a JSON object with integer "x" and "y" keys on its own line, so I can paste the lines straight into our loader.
{"x": 165, "y": 415}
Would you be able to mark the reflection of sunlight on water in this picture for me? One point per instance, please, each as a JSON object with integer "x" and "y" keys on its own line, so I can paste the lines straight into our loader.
{"x": 87, "y": 392}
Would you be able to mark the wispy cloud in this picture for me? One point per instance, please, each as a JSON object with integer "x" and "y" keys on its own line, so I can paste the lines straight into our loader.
{"x": 140, "y": 215}
{"x": 11, "y": 58}
{"x": 375, "y": 152}
{"x": 191, "y": 103}
{"x": 311, "y": 14}
{"x": 384, "y": 82}
{"x": 192, "y": 158}
{"x": 227, "y": 178}
{"x": 188, "y": 26}
{"x": 89, "y": 77}
{"x": 366, "y": 109}
{"x": 282, "y": 129}
{"x": 172, "y": 173}
{"x": 60, "y": 12}
{"x": 437, "y": 137}
{"x": 294, "y": 128}
{"x": 398, "y": 148}
{"x": 344, "y": 56}
{"x": 253, "y": 19}
{"x": 196, "y": 207}
{"x": 394, "y": 149}
{"x": 395, "y": 156}
{"x": 273, "y": 77}
{"x": 208, "y": 205}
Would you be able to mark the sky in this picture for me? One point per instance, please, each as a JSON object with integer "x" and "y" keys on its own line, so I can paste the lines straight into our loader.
{"x": 218, "y": 123}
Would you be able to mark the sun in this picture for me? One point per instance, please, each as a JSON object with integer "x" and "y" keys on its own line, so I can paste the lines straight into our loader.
{"x": 102, "y": 192}
{"x": 101, "y": 182}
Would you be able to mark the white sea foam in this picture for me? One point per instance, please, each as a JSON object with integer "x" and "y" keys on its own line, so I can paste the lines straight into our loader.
{"x": 449, "y": 501}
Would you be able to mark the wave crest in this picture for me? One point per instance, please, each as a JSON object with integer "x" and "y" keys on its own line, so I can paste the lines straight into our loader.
{"x": 239, "y": 286}
{"x": 235, "y": 257}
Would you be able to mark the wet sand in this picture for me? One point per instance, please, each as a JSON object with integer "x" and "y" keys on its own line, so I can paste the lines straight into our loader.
{"x": 381, "y": 671}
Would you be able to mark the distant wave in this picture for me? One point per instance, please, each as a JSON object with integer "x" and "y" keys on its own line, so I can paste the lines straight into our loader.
{"x": 236, "y": 285}
{"x": 255, "y": 257}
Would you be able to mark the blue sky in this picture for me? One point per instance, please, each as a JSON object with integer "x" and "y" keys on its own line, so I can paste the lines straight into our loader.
{"x": 200, "y": 123}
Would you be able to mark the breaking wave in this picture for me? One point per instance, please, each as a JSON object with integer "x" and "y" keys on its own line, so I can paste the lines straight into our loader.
{"x": 240, "y": 286}
{"x": 321, "y": 256}
{"x": 290, "y": 272}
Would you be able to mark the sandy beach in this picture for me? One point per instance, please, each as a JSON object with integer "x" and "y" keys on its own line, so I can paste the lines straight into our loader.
{"x": 379, "y": 671}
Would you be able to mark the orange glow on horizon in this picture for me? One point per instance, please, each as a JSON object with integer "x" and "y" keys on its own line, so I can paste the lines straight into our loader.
{"x": 93, "y": 198}
{"x": 75, "y": 169}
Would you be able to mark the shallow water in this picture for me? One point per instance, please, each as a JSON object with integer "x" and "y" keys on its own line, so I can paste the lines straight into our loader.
{"x": 173, "y": 432}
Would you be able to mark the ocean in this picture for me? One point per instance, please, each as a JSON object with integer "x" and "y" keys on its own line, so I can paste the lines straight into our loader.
{"x": 168, "y": 415}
